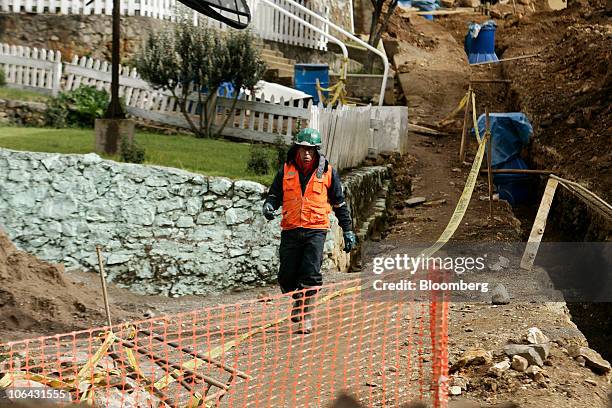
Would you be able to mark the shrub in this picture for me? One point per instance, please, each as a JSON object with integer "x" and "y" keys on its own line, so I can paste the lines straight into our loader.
{"x": 2, "y": 78}
{"x": 281, "y": 149}
{"x": 79, "y": 108}
{"x": 185, "y": 57}
{"x": 258, "y": 160}
{"x": 132, "y": 152}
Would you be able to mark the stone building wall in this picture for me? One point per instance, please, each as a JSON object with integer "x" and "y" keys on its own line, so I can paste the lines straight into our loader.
{"x": 89, "y": 36}
{"x": 163, "y": 230}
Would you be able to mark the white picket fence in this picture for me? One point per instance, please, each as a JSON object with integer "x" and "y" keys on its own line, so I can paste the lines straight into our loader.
{"x": 346, "y": 133}
{"x": 31, "y": 68}
{"x": 346, "y": 130}
{"x": 266, "y": 22}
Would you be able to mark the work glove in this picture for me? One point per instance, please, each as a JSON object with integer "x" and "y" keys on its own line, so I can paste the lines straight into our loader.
{"x": 268, "y": 211}
{"x": 350, "y": 241}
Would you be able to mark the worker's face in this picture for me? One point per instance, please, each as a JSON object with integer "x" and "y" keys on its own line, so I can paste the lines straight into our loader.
{"x": 307, "y": 153}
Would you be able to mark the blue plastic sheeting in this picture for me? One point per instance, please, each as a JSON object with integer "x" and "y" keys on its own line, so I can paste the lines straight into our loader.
{"x": 479, "y": 42}
{"x": 510, "y": 131}
{"x": 405, "y": 3}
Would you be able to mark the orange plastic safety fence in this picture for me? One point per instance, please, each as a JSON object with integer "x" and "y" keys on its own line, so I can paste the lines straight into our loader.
{"x": 246, "y": 354}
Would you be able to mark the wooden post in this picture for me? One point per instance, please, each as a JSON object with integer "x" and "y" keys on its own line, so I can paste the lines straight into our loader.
{"x": 539, "y": 224}
{"x": 104, "y": 292}
{"x": 489, "y": 160}
{"x": 465, "y": 121}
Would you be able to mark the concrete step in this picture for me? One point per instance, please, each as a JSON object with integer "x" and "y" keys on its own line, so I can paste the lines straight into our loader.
{"x": 280, "y": 61}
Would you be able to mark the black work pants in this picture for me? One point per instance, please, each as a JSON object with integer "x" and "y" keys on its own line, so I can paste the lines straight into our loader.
{"x": 301, "y": 256}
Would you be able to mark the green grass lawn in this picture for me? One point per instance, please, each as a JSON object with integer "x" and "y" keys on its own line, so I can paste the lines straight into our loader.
{"x": 209, "y": 157}
{"x": 20, "y": 95}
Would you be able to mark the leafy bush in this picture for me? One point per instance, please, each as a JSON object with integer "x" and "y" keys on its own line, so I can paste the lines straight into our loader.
{"x": 258, "y": 160}
{"x": 79, "y": 108}
{"x": 132, "y": 152}
{"x": 185, "y": 57}
{"x": 2, "y": 78}
{"x": 281, "y": 149}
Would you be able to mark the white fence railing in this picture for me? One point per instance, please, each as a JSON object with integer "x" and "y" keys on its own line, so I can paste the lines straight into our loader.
{"x": 266, "y": 23}
{"x": 346, "y": 130}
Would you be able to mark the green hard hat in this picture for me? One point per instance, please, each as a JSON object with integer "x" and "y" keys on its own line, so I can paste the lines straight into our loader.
{"x": 308, "y": 137}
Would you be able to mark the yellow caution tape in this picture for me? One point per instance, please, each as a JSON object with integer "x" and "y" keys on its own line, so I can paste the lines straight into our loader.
{"x": 91, "y": 363}
{"x": 455, "y": 111}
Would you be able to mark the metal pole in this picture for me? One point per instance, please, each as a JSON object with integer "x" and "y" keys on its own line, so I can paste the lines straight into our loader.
{"x": 312, "y": 27}
{"x": 103, "y": 279}
{"x": 354, "y": 38}
{"x": 114, "y": 110}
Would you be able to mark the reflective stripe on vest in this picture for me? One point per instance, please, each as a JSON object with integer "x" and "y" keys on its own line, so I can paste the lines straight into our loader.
{"x": 310, "y": 210}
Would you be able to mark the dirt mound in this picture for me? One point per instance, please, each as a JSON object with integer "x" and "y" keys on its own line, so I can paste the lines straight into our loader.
{"x": 36, "y": 297}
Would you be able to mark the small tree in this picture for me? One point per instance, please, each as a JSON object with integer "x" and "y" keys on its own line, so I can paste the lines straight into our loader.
{"x": 190, "y": 59}
{"x": 380, "y": 20}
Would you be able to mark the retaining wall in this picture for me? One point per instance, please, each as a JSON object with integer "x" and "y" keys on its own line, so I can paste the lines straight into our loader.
{"x": 163, "y": 230}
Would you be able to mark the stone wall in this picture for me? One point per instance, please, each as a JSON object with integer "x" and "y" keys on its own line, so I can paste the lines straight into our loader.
{"x": 163, "y": 230}
{"x": 22, "y": 113}
{"x": 75, "y": 34}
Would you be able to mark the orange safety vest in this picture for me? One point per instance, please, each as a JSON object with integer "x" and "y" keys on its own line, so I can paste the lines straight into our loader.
{"x": 310, "y": 210}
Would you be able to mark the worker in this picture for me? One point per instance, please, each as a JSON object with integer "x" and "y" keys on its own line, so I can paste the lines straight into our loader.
{"x": 307, "y": 187}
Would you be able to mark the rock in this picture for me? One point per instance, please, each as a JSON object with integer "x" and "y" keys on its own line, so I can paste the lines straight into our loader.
{"x": 472, "y": 357}
{"x": 592, "y": 359}
{"x": 500, "y": 368}
{"x": 536, "y": 373}
{"x": 414, "y": 201}
{"x": 525, "y": 351}
{"x": 591, "y": 382}
{"x": 502, "y": 263}
{"x": 460, "y": 382}
{"x": 435, "y": 203}
{"x": 219, "y": 185}
{"x": 454, "y": 390}
{"x": 499, "y": 295}
{"x": 542, "y": 349}
{"x": 519, "y": 363}
{"x": 535, "y": 336}
{"x": 581, "y": 361}
{"x": 237, "y": 215}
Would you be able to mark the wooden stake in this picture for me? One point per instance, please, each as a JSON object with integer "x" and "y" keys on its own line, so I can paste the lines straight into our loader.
{"x": 537, "y": 230}
{"x": 489, "y": 160}
{"x": 466, "y": 118}
{"x": 104, "y": 292}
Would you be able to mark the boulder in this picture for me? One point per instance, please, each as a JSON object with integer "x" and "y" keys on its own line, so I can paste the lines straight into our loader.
{"x": 528, "y": 352}
{"x": 535, "y": 336}
{"x": 592, "y": 359}
{"x": 519, "y": 363}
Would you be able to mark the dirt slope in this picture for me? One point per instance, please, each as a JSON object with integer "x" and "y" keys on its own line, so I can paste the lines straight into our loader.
{"x": 37, "y": 297}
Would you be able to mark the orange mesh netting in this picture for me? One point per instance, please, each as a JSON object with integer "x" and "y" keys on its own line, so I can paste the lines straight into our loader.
{"x": 248, "y": 354}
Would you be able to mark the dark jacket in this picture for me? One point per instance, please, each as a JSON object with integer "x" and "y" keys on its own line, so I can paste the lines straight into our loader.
{"x": 334, "y": 192}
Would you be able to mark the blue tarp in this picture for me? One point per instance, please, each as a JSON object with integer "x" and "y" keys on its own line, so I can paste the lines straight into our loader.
{"x": 511, "y": 132}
